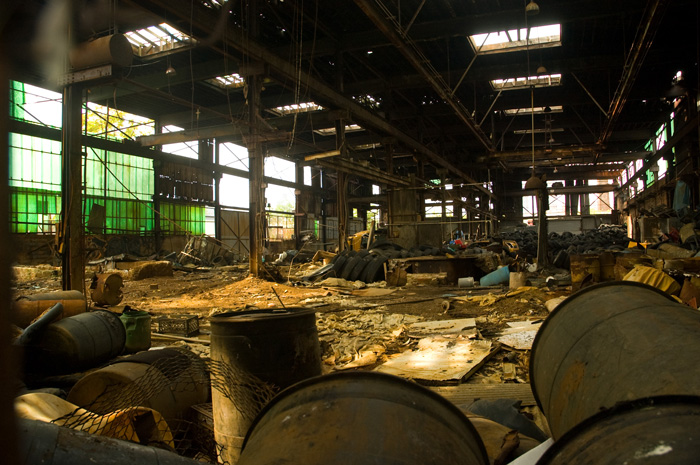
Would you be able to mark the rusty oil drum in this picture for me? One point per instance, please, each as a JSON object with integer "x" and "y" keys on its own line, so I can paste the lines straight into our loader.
{"x": 662, "y": 430}
{"x": 252, "y": 351}
{"x": 27, "y": 309}
{"x": 76, "y": 343}
{"x": 609, "y": 343}
{"x": 358, "y": 418}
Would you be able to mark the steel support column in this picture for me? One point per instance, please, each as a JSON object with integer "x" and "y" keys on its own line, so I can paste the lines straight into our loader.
{"x": 73, "y": 257}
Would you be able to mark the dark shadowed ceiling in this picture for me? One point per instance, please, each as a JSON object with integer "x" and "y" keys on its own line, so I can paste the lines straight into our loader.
{"x": 406, "y": 72}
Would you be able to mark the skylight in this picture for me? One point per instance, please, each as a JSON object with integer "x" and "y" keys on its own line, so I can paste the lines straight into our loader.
{"x": 537, "y": 131}
{"x": 517, "y": 39}
{"x": 154, "y": 40}
{"x": 229, "y": 81}
{"x": 545, "y": 80}
{"x": 296, "y": 108}
{"x": 331, "y": 130}
{"x": 537, "y": 110}
{"x": 367, "y": 100}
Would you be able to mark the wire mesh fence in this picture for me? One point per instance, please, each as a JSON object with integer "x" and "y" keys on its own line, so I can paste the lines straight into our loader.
{"x": 162, "y": 398}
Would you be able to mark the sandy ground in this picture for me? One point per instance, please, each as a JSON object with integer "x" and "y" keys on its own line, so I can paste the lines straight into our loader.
{"x": 338, "y": 308}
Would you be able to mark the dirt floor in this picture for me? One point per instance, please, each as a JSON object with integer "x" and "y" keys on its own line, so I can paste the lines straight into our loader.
{"x": 357, "y": 329}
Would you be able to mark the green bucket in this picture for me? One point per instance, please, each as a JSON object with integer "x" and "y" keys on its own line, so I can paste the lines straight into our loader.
{"x": 138, "y": 331}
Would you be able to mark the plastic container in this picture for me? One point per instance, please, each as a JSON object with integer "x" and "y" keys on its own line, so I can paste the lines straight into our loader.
{"x": 138, "y": 331}
{"x": 499, "y": 276}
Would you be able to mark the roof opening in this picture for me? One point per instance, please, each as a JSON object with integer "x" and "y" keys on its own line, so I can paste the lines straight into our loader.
{"x": 516, "y": 39}
{"x": 331, "y": 130}
{"x": 545, "y": 80}
{"x": 158, "y": 39}
{"x": 535, "y": 110}
{"x": 295, "y": 108}
{"x": 367, "y": 100}
{"x": 230, "y": 81}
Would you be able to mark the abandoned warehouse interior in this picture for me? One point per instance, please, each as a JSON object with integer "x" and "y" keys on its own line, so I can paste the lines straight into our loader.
{"x": 372, "y": 231}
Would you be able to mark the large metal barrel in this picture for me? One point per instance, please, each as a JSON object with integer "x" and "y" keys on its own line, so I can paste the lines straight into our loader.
{"x": 254, "y": 355}
{"x": 167, "y": 380}
{"x": 661, "y": 430}
{"x": 359, "y": 418}
{"x": 49, "y": 444}
{"x": 27, "y": 308}
{"x": 611, "y": 343}
{"x": 77, "y": 343}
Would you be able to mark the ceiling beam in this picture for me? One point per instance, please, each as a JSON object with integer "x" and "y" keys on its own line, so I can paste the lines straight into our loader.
{"x": 201, "y": 18}
{"x": 421, "y": 64}
{"x": 646, "y": 31}
{"x": 566, "y": 190}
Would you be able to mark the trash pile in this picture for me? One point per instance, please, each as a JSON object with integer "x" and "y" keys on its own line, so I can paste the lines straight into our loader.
{"x": 562, "y": 246}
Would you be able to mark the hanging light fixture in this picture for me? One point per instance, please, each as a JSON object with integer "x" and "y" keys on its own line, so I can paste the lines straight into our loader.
{"x": 533, "y": 182}
{"x": 532, "y": 8}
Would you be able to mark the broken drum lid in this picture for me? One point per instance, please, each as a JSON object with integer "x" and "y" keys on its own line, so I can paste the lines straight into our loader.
{"x": 656, "y": 430}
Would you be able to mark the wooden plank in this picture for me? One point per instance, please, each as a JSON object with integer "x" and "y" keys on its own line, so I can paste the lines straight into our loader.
{"x": 468, "y": 393}
{"x": 440, "y": 359}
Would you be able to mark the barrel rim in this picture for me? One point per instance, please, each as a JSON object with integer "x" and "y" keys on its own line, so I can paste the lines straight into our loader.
{"x": 370, "y": 375}
{"x": 558, "y": 309}
{"x": 620, "y": 408}
{"x": 262, "y": 314}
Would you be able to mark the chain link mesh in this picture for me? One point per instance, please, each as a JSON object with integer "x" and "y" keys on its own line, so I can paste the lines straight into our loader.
{"x": 144, "y": 408}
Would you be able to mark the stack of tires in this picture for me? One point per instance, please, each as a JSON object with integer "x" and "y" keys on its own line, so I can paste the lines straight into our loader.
{"x": 361, "y": 265}
{"x": 368, "y": 265}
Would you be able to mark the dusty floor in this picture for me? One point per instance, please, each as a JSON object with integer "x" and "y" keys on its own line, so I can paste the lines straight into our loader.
{"x": 356, "y": 331}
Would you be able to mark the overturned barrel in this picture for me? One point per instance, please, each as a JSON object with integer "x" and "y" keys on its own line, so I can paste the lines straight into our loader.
{"x": 661, "y": 430}
{"x": 356, "y": 418}
{"x": 26, "y": 309}
{"x": 168, "y": 380}
{"x": 50, "y": 444}
{"x": 255, "y": 354}
{"x": 609, "y": 343}
{"x": 76, "y": 343}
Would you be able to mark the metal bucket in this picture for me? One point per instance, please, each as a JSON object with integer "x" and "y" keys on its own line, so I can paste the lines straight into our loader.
{"x": 358, "y": 418}
{"x": 138, "y": 331}
{"x": 254, "y": 355}
{"x": 76, "y": 343}
{"x": 27, "y": 309}
{"x": 610, "y": 343}
{"x": 168, "y": 380}
{"x": 661, "y": 430}
{"x": 50, "y": 444}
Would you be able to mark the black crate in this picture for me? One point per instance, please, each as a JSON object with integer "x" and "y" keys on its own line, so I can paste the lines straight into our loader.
{"x": 184, "y": 325}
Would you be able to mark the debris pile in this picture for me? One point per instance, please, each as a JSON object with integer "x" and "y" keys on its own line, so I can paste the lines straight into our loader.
{"x": 562, "y": 246}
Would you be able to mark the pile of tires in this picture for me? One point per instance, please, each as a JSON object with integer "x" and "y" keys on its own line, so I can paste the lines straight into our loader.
{"x": 561, "y": 246}
{"x": 361, "y": 265}
{"x": 368, "y": 265}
